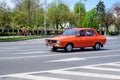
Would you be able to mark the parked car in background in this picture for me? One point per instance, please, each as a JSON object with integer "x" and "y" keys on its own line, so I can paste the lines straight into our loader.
{"x": 77, "y": 38}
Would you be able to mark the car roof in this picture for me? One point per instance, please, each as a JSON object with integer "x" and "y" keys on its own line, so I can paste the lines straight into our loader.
{"x": 83, "y": 28}
{"x": 87, "y": 29}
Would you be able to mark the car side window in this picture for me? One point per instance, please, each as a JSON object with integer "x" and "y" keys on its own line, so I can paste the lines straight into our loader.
{"x": 82, "y": 33}
{"x": 90, "y": 33}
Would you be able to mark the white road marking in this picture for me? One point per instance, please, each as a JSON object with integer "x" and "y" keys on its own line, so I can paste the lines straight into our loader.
{"x": 110, "y": 38}
{"x": 37, "y": 56}
{"x": 35, "y": 52}
{"x": 67, "y": 59}
{"x": 112, "y": 45}
{"x": 101, "y": 69}
{"x": 30, "y": 75}
{"x": 33, "y": 77}
{"x": 94, "y": 65}
{"x": 113, "y": 64}
{"x": 86, "y": 74}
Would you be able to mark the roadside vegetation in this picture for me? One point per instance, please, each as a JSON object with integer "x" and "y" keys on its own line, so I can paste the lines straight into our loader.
{"x": 27, "y": 18}
{"x": 19, "y": 38}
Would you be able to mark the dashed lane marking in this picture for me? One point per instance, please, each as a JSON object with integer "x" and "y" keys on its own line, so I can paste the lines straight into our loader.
{"x": 37, "y": 56}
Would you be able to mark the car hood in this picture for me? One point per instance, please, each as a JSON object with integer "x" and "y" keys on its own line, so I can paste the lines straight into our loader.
{"x": 59, "y": 37}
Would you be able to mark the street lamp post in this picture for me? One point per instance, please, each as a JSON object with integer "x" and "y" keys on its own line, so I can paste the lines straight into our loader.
{"x": 79, "y": 13}
{"x": 45, "y": 32}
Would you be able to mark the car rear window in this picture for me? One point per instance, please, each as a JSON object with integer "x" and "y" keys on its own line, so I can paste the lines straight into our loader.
{"x": 90, "y": 33}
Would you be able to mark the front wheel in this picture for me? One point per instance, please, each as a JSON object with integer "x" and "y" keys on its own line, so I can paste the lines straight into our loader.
{"x": 69, "y": 48}
{"x": 54, "y": 49}
{"x": 97, "y": 46}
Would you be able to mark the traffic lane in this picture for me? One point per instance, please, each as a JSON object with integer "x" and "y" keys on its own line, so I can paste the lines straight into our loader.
{"x": 22, "y": 49}
{"x": 31, "y": 45}
{"x": 52, "y": 56}
{"x": 47, "y": 52}
{"x": 38, "y": 64}
{"x": 41, "y": 48}
{"x": 27, "y": 52}
{"x": 43, "y": 54}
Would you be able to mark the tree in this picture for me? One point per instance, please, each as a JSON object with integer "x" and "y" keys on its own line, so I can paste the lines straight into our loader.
{"x": 63, "y": 14}
{"x": 109, "y": 19}
{"x": 101, "y": 12}
{"x": 57, "y": 14}
{"x": 5, "y": 16}
{"x": 90, "y": 19}
{"x": 116, "y": 12}
{"x": 28, "y": 13}
{"x": 82, "y": 10}
{"x": 52, "y": 15}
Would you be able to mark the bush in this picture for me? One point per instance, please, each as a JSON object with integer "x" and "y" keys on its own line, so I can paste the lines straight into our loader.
{"x": 114, "y": 33}
{"x": 8, "y": 34}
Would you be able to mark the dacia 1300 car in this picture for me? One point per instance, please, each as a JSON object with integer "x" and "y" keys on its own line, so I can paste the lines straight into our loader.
{"x": 77, "y": 38}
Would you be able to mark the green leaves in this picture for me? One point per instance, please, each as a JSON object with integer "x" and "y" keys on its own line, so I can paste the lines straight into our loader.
{"x": 58, "y": 14}
{"x": 91, "y": 19}
{"x": 79, "y": 9}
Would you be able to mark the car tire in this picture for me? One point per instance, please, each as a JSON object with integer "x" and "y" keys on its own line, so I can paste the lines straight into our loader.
{"x": 82, "y": 49}
{"x": 69, "y": 47}
{"x": 97, "y": 46}
{"x": 54, "y": 49}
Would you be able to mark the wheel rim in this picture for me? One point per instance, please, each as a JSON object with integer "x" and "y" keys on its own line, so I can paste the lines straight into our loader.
{"x": 69, "y": 47}
{"x": 97, "y": 46}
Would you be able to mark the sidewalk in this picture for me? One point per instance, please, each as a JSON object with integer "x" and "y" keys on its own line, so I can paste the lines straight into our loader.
{"x": 10, "y": 36}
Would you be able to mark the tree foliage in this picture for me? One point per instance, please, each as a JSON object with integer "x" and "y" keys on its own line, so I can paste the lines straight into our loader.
{"x": 58, "y": 14}
{"x": 90, "y": 19}
{"x": 109, "y": 20}
{"x": 116, "y": 11}
{"x": 29, "y": 15}
{"x": 101, "y": 12}
{"x": 80, "y": 11}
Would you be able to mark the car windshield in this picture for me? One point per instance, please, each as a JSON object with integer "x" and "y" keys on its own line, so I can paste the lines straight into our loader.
{"x": 70, "y": 32}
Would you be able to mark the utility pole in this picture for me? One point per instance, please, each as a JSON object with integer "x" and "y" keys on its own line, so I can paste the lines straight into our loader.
{"x": 29, "y": 13}
{"x": 45, "y": 32}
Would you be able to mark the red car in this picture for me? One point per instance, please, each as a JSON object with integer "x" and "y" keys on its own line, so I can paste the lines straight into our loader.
{"x": 77, "y": 38}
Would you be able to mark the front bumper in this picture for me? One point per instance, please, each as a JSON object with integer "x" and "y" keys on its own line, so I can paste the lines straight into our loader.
{"x": 54, "y": 44}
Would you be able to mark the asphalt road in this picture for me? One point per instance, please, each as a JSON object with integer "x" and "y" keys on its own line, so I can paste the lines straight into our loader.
{"x": 32, "y": 60}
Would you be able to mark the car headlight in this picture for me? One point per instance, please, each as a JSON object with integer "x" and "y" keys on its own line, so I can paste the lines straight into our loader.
{"x": 58, "y": 42}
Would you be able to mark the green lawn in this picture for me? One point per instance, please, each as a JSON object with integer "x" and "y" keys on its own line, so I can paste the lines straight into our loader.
{"x": 18, "y": 38}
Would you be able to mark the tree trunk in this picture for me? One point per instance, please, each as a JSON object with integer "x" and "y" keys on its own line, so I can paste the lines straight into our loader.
{"x": 2, "y": 30}
{"x": 18, "y": 32}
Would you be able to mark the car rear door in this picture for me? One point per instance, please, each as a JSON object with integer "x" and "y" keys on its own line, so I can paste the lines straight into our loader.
{"x": 91, "y": 38}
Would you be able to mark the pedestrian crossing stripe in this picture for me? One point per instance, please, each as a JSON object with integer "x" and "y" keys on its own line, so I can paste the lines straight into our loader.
{"x": 33, "y": 77}
{"x": 87, "y": 74}
{"x": 66, "y": 71}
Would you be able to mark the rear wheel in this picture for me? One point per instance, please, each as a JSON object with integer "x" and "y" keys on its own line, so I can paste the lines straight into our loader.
{"x": 69, "y": 47}
{"x": 97, "y": 46}
{"x": 54, "y": 49}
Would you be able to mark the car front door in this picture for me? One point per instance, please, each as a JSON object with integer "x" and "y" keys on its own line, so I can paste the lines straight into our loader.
{"x": 81, "y": 39}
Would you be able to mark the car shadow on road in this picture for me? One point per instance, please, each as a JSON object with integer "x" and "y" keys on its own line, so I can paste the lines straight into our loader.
{"x": 79, "y": 50}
